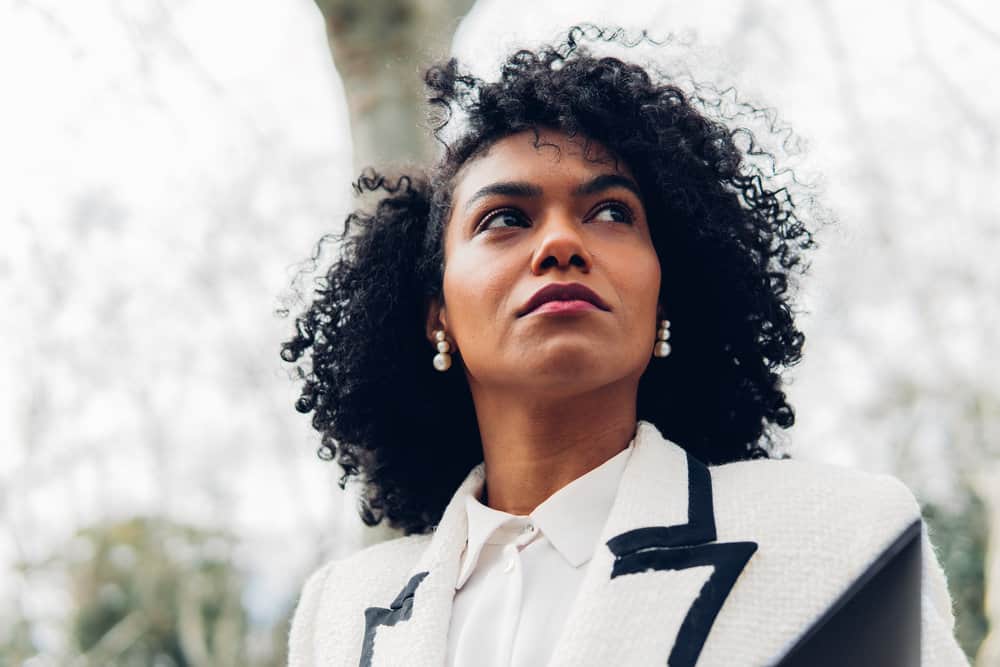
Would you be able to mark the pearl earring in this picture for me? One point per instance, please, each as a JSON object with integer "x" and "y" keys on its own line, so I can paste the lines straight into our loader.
{"x": 442, "y": 360}
{"x": 662, "y": 347}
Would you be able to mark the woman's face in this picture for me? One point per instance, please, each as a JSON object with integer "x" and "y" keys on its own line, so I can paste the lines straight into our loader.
{"x": 522, "y": 218}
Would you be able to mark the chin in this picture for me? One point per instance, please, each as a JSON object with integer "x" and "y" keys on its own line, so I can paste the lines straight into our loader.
{"x": 578, "y": 368}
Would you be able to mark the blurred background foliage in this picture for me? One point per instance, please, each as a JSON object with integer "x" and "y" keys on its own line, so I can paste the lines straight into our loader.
{"x": 147, "y": 591}
{"x": 150, "y": 592}
{"x": 173, "y": 165}
{"x": 959, "y": 535}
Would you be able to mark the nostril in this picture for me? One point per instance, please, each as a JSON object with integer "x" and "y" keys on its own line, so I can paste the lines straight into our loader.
{"x": 552, "y": 260}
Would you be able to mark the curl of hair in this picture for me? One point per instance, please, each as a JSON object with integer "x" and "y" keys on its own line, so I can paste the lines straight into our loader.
{"x": 728, "y": 243}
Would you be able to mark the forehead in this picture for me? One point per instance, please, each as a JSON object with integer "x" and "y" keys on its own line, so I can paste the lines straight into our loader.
{"x": 552, "y": 156}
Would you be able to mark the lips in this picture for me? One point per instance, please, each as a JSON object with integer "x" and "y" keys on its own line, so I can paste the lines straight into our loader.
{"x": 562, "y": 292}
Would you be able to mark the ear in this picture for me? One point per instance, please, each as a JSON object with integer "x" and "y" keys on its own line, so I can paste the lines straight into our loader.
{"x": 437, "y": 318}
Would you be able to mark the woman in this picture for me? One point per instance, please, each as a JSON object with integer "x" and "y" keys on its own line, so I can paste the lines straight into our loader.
{"x": 554, "y": 364}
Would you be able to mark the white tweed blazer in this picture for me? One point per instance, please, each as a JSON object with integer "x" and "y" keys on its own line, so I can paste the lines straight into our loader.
{"x": 719, "y": 565}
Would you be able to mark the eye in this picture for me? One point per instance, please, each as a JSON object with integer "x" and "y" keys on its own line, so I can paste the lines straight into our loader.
{"x": 508, "y": 215}
{"x": 614, "y": 212}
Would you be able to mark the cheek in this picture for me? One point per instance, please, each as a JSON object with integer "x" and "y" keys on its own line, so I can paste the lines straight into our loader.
{"x": 644, "y": 282}
{"x": 475, "y": 292}
{"x": 653, "y": 277}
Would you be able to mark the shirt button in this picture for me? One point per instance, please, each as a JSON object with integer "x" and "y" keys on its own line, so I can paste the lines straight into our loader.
{"x": 530, "y": 528}
{"x": 509, "y": 565}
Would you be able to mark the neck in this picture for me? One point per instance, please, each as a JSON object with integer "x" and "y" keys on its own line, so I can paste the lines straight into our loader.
{"x": 533, "y": 448}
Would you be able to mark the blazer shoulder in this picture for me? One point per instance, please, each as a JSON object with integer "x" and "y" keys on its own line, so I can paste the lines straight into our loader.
{"x": 331, "y": 589}
{"x": 801, "y": 506}
{"x": 375, "y": 562}
{"x": 811, "y": 482}
{"x": 398, "y": 552}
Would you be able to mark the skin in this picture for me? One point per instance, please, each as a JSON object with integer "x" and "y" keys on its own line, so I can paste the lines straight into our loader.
{"x": 555, "y": 395}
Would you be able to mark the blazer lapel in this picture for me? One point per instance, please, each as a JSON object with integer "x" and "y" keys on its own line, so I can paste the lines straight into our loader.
{"x": 658, "y": 578}
{"x": 412, "y": 629}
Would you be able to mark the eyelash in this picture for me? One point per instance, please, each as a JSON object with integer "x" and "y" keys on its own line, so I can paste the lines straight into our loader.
{"x": 622, "y": 208}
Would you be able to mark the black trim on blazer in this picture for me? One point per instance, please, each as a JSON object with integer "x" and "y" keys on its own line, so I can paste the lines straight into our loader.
{"x": 399, "y": 610}
{"x": 681, "y": 547}
{"x": 699, "y": 529}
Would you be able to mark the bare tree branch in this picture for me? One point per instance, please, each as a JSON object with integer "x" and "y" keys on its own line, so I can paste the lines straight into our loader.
{"x": 971, "y": 21}
{"x": 955, "y": 93}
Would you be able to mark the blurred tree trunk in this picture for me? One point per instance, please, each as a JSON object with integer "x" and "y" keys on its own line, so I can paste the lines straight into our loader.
{"x": 380, "y": 48}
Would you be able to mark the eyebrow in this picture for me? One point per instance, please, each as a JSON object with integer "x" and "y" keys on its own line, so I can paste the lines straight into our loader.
{"x": 523, "y": 189}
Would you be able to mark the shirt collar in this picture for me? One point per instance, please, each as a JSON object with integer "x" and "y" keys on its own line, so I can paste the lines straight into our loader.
{"x": 571, "y": 518}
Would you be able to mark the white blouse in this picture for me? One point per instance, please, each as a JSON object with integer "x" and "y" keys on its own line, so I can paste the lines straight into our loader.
{"x": 519, "y": 575}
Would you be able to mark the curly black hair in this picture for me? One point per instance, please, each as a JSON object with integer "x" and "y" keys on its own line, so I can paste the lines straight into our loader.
{"x": 728, "y": 239}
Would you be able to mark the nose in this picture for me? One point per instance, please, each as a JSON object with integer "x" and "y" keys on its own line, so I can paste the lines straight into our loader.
{"x": 561, "y": 243}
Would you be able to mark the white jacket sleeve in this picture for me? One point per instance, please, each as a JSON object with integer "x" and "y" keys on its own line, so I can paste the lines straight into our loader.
{"x": 938, "y": 646}
{"x": 301, "y": 635}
